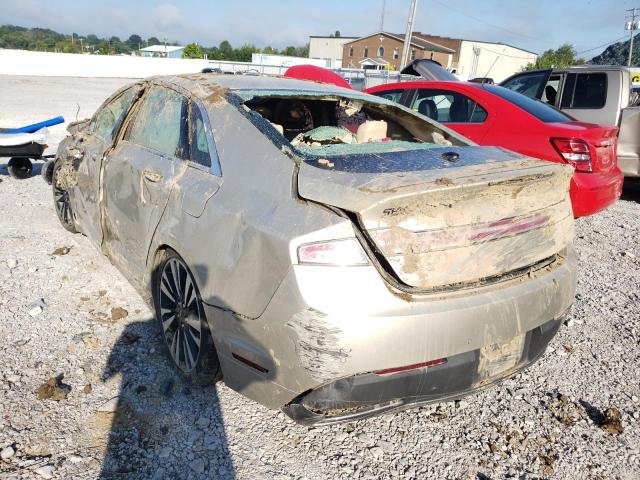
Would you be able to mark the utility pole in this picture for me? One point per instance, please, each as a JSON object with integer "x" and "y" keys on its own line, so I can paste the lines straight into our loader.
{"x": 384, "y": 4}
{"x": 632, "y": 26}
{"x": 408, "y": 34}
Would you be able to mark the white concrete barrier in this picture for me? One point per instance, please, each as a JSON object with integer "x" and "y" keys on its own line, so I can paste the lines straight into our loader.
{"x": 24, "y": 62}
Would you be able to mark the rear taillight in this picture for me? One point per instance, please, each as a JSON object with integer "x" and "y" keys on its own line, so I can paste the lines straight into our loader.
{"x": 336, "y": 252}
{"x": 575, "y": 152}
{"x": 456, "y": 237}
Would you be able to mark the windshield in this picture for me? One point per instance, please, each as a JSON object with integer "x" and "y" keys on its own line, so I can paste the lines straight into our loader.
{"x": 333, "y": 125}
{"x": 542, "y": 111}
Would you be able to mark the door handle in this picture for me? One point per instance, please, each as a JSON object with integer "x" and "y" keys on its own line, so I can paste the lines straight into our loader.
{"x": 152, "y": 175}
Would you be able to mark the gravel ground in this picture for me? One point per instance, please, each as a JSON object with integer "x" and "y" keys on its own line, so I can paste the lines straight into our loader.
{"x": 116, "y": 409}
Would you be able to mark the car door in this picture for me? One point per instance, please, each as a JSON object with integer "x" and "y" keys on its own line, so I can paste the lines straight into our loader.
{"x": 531, "y": 84}
{"x": 102, "y": 130}
{"x": 140, "y": 173}
{"x": 457, "y": 111}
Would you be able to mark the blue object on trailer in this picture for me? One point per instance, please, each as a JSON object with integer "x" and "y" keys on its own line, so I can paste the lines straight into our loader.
{"x": 34, "y": 127}
{"x": 25, "y": 143}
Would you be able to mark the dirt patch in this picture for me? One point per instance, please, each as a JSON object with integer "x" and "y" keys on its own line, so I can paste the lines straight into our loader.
{"x": 61, "y": 251}
{"x": 54, "y": 389}
{"x": 447, "y": 182}
{"x": 118, "y": 313}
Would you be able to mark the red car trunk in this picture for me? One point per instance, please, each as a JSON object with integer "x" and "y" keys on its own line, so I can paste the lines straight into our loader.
{"x": 500, "y": 117}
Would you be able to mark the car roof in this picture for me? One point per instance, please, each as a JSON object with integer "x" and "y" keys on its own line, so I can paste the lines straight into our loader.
{"x": 579, "y": 68}
{"x": 202, "y": 84}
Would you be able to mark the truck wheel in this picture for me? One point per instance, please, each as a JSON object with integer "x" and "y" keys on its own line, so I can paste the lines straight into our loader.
{"x": 62, "y": 203}
{"x": 20, "y": 168}
{"x": 182, "y": 320}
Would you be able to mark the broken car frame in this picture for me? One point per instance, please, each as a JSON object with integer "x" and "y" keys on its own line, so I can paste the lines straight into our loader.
{"x": 335, "y": 276}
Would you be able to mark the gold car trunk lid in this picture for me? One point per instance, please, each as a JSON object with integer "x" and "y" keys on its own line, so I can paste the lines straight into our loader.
{"x": 450, "y": 225}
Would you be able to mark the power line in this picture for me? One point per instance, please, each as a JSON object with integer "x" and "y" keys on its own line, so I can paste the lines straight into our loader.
{"x": 603, "y": 45}
{"x": 506, "y": 55}
{"x": 462, "y": 12}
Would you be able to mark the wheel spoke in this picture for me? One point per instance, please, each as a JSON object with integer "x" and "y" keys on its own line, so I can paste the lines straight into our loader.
{"x": 176, "y": 277}
{"x": 165, "y": 287}
{"x": 168, "y": 322}
{"x": 191, "y": 360}
{"x": 189, "y": 292}
{"x": 193, "y": 322}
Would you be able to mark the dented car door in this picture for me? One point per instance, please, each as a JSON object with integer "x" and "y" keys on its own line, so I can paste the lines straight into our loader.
{"x": 139, "y": 175}
{"x": 91, "y": 147}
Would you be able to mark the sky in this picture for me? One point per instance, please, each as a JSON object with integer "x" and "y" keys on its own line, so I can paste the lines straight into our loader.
{"x": 532, "y": 25}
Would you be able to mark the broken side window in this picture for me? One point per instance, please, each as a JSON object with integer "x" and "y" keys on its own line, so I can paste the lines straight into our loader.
{"x": 161, "y": 123}
{"x": 199, "y": 145}
{"x": 107, "y": 121}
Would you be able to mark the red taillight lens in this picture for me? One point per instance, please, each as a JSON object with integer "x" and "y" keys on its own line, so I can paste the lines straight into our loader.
{"x": 335, "y": 252}
{"x": 575, "y": 152}
{"x": 406, "y": 368}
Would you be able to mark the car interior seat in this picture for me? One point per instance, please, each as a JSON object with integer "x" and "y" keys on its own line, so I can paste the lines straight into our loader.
{"x": 550, "y": 93}
{"x": 428, "y": 109}
{"x": 458, "y": 111}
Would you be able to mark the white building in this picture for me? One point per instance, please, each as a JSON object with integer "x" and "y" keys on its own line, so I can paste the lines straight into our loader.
{"x": 328, "y": 49}
{"x": 494, "y": 60}
{"x": 168, "y": 51}
{"x": 268, "y": 59}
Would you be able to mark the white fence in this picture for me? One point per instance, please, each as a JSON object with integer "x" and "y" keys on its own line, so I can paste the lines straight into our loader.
{"x": 23, "y": 62}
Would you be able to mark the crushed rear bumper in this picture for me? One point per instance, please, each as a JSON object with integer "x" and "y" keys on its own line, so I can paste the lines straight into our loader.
{"x": 364, "y": 395}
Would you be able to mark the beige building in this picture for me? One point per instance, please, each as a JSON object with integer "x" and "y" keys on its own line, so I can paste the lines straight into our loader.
{"x": 328, "y": 49}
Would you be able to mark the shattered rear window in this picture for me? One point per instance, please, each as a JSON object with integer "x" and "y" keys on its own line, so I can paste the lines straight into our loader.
{"x": 327, "y": 124}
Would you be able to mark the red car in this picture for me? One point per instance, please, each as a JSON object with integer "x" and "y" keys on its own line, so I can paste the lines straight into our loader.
{"x": 492, "y": 115}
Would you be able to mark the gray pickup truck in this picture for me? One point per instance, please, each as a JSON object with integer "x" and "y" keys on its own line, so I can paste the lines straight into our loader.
{"x": 599, "y": 94}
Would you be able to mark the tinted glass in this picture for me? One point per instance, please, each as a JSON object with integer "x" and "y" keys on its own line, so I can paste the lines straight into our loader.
{"x": 393, "y": 95}
{"x": 448, "y": 107}
{"x": 108, "y": 120}
{"x": 590, "y": 90}
{"x": 538, "y": 109}
{"x": 527, "y": 84}
{"x": 567, "y": 92}
{"x": 161, "y": 123}
{"x": 199, "y": 142}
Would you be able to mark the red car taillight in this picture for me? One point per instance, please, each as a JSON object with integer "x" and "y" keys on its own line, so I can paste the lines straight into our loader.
{"x": 575, "y": 152}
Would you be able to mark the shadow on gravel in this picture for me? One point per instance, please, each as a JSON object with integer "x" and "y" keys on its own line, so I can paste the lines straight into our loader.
{"x": 631, "y": 190}
{"x": 37, "y": 167}
{"x": 159, "y": 426}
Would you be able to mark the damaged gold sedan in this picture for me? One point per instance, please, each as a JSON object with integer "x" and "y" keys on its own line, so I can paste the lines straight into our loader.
{"x": 324, "y": 251}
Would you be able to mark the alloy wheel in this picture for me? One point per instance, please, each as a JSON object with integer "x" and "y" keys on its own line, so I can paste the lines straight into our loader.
{"x": 180, "y": 314}
{"x": 63, "y": 207}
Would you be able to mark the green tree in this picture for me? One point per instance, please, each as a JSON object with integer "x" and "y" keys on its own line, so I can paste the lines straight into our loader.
{"x": 225, "y": 50}
{"x": 192, "y": 50}
{"x": 134, "y": 42}
{"x": 564, "y": 56}
{"x": 153, "y": 41}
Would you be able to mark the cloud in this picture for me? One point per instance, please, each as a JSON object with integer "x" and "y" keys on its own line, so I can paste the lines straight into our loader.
{"x": 168, "y": 17}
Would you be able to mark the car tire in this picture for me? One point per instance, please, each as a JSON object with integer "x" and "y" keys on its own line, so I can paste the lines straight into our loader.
{"x": 62, "y": 202}
{"x": 20, "y": 168}
{"x": 47, "y": 171}
{"x": 182, "y": 320}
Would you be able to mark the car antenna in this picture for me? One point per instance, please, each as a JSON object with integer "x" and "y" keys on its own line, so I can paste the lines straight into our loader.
{"x": 489, "y": 71}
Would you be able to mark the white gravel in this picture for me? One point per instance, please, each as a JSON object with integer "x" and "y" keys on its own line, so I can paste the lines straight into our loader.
{"x": 128, "y": 415}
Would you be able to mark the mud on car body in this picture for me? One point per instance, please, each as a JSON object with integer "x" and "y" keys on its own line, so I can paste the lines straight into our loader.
{"x": 326, "y": 252}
